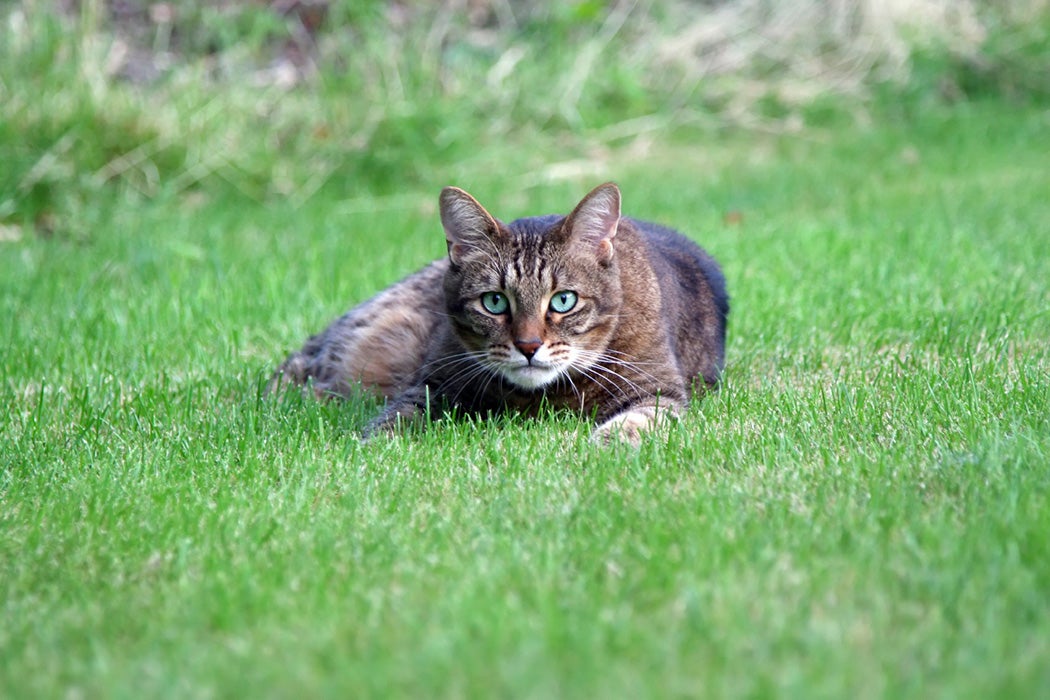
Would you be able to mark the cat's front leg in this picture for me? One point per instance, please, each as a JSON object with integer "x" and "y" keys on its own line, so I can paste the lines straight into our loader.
{"x": 628, "y": 426}
{"x": 409, "y": 408}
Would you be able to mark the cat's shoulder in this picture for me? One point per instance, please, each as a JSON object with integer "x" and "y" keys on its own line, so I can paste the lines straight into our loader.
{"x": 658, "y": 233}
{"x": 681, "y": 253}
{"x": 667, "y": 242}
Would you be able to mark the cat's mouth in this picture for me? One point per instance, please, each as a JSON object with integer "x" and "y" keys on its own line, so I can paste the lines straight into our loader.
{"x": 531, "y": 376}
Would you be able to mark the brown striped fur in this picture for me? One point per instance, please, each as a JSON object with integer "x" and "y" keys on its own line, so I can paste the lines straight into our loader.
{"x": 645, "y": 322}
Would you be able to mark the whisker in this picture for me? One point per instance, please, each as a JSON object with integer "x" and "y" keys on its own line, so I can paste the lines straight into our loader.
{"x": 628, "y": 357}
{"x": 441, "y": 362}
{"x": 623, "y": 368}
{"x": 602, "y": 374}
{"x": 465, "y": 382}
{"x": 596, "y": 359}
{"x": 640, "y": 372}
{"x": 464, "y": 375}
{"x": 575, "y": 390}
{"x": 603, "y": 383}
{"x": 493, "y": 373}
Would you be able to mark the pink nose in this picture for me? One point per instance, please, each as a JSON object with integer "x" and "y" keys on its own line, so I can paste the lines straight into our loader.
{"x": 528, "y": 348}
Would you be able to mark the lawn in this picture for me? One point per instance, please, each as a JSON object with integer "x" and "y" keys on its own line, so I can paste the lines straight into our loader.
{"x": 862, "y": 510}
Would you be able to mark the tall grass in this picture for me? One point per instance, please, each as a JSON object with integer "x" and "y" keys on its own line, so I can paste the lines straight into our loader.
{"x": 382, "y": 97}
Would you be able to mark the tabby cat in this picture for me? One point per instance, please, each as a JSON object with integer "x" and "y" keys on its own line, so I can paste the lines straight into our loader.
{"x": 615, "y": 318}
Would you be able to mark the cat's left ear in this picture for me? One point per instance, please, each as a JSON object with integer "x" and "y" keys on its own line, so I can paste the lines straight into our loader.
{"x": 595, "y": 220}
{"x": 467, "y": 225}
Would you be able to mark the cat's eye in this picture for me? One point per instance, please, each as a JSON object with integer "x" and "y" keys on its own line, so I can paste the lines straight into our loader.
{"x": 563, "y": 301}
{"x": 495, "y": 303}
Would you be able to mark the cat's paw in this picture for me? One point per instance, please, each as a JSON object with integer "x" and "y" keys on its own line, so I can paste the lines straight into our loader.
{"x": 397, "y": 417}
{"x": 384, "y": 427}
{"x": 629, "y": 427}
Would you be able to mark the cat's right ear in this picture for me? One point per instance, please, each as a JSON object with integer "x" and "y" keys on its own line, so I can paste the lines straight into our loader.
{"x": 467, "y": 225}
{"x": 595, "y": 220}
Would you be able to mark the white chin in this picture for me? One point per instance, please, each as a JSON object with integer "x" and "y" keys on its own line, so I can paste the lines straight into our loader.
{"x": 530, "y": 377}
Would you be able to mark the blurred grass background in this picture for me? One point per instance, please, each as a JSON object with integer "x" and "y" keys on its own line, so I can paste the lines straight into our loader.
{"x": 130, "y": 99}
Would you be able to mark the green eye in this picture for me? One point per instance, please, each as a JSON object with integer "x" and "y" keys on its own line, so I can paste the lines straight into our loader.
{"x": 563, "y": 301}
{"x": 495, "y": 303}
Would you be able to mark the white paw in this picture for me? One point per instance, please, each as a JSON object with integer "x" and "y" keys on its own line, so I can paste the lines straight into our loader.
{"x": 629, "y": 426}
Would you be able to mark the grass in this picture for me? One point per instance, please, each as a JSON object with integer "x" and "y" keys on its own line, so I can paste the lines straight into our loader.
{"x": 861, "y": 510}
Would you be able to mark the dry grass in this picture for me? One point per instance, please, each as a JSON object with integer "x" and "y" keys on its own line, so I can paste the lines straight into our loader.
{"x": 408, "y": 94}
{"x": 794, "y": 52}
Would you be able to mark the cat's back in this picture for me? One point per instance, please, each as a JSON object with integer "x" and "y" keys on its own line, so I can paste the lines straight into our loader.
{"x": 693, "y": 298}
{"x": 690, "y": 263}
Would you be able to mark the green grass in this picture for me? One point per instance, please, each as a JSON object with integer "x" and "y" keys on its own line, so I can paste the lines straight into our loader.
{"x": 862, "y": 509}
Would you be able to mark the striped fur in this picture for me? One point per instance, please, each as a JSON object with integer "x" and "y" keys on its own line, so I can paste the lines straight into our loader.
{"x": 615, "y": 318}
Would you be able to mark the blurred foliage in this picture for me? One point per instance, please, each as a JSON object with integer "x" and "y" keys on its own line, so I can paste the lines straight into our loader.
{"x": 1013, "y": 63}
{"x": 281, "y": 99}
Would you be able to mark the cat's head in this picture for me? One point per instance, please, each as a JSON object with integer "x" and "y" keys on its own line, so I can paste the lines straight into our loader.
{"x": 533, "y": 299}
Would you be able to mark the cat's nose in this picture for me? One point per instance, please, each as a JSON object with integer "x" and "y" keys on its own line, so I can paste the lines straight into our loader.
{"x": 528, "y": 348}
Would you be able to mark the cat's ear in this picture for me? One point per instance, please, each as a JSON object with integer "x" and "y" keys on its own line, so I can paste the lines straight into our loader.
{"x": 595, "y": 220}
{"x": 467, "y": 225}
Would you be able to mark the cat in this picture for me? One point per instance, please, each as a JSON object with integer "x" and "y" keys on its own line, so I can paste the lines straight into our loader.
{"x": 614, "y": 318}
